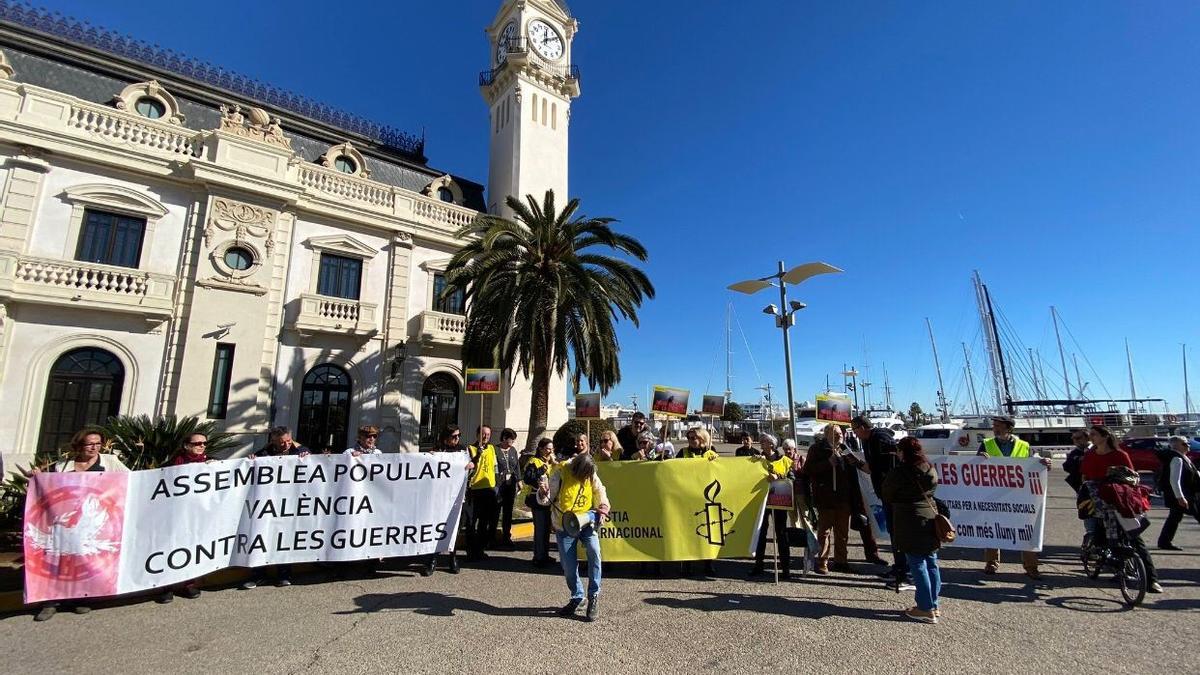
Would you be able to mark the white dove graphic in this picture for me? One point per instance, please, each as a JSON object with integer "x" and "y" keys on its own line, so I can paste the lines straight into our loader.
{"x": 82, "y": 538}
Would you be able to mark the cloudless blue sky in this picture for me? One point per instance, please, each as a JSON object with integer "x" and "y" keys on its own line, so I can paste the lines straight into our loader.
{"x": 1051, "y": 146}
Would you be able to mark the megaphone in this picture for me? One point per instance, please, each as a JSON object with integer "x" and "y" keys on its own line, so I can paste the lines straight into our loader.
{"x": 573, "y": 523}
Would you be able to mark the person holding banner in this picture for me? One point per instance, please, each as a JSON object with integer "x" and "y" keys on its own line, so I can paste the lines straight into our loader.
{"x": 779, "y": 467}
{"x": 580, "y": 505}
{"x": 909, "y": 489}
{"x": 831, "y": 471}
{"x": 482, "y": 503}
{"x": 279, "y": 444}
{"x": 449, "y": 440}
{"x": 699, "y": 445}
{"x": 645, "y": 446}
{"x": 1005, "y": 443}
{"x": 194, "y": 451}
{"x": 86, "y": 455}
{"x": 365, "y": 442}
{"x": 747, "y": 449}
{"x": 608, "y": 450}
{"x": 536, "y": 473}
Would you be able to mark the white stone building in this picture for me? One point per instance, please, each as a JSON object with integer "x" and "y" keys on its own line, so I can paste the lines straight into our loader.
{"x": 179, "y": 240}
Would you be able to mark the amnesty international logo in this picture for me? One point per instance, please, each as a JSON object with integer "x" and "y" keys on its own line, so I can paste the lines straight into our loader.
{"x": 716, "y": 516}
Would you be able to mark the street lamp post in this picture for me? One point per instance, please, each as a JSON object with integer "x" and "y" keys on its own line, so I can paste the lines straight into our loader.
{"x": 785, "y": 314}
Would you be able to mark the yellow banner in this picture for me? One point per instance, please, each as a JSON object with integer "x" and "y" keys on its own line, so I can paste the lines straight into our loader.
{"x": 682, "y": 509}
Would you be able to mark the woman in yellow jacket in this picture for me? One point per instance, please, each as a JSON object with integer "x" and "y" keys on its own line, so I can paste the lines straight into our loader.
{"x": 779, "y": 467}
{"x": 576, "y": 489}
{"x": 535, "y": 473}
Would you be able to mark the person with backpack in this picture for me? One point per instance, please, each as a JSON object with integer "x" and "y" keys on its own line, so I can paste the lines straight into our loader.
{"x": 1178, "y": 480}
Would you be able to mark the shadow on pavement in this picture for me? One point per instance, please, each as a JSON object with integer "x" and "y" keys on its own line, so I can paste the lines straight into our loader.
{"x": 438, "y": 604}
{"x": 766, "y": 604}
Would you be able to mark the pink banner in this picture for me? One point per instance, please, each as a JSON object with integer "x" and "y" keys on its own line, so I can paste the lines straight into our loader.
{"x": 74, "y": 524}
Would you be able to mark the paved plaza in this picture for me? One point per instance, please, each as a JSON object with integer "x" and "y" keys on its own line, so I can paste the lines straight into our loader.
{"x": 499, "y": 616}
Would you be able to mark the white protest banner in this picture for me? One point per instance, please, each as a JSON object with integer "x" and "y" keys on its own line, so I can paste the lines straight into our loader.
{"x": 994, "y": 502}
{"x": 105, "y": 533}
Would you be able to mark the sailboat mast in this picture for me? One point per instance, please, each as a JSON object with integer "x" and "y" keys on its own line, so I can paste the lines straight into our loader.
{"x": 1132, "y": 386}
{"x": 1061, "y": 356}
{"x": 1078, "y": 378}
{"x": 1187, "y": 394}
{"x": 728, "y": 355}
{"x": 970, "y": 379}
{"x": 995, "y": 333}
{"x": 938, "y": 366}
{"x": 990, "y": 341}
{"x": 1033, "y": 368}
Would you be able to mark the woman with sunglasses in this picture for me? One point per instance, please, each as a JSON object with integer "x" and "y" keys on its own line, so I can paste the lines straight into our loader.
{"x": 194, "y": 451}
{"x": 366, "y": 443}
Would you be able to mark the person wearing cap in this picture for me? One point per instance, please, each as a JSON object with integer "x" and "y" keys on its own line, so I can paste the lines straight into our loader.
{"x": 628, "y": 436}
{"x": 1005, "y": 443}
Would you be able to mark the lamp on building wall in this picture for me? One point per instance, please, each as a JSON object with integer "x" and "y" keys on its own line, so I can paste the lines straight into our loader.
{"x": 399, "y": 355}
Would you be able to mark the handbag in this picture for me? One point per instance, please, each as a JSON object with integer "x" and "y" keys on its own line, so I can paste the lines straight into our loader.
{"x": 943, "y": 528}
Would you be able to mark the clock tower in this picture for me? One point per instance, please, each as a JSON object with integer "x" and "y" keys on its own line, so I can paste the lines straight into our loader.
{"x": 528, "y": 89}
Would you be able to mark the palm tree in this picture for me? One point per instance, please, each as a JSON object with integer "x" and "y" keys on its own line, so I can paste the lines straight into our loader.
{"x": 540, "y": 299}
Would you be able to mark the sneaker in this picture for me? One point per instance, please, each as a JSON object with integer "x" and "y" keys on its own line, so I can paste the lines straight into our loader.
{"x": 991, "y": 568}
{"x": 283, "y": 582}
{"x": 593, "y": 609}
{"x": 1169, "y": 547}
{"x": 920, "y": 615}
{"x": 165, "y": 598}
{"x": 901, "y": 586}
{"x": 191, "y": 592}
{"x": 46, "y": 613}
{"x": 876, "y": 560}
{"x": 1155, "y": 587}
{"x": 249, "y": 584}
{"x": 571, "y": 607}
{"x": 891, "y": 572}
{"x": 427, "y": 570}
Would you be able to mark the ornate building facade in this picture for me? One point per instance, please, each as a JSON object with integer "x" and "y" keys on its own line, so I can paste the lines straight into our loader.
{"x": 179, "y": 240}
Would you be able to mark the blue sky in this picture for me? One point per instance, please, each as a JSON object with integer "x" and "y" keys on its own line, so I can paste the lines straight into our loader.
{"x": 1051, "y": 146}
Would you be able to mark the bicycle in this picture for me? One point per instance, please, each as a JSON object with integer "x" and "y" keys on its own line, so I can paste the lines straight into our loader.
{"x": 1109, "y": 549}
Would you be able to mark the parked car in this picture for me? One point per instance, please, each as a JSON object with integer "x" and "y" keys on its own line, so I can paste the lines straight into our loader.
{"x": 1145, "y": 452}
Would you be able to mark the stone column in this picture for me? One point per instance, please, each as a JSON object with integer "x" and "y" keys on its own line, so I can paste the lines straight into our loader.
{"x": 398, "y": 425}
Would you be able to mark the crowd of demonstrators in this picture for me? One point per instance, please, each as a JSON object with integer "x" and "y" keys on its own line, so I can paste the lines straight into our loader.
{"x": 1179, "y": 482}
{"x": 576, "y": 489}
{"x": 1005, "y": 444}
{"x": 779, "y": 467}
{"x": 1095, "y": 467}
{"x": 908, "y": 490}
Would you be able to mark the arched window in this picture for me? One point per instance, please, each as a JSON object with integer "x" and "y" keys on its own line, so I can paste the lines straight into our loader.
{"x": 84, "y": 388}
{"x": 439, "y": 407}
{"x": 325, "y": 409}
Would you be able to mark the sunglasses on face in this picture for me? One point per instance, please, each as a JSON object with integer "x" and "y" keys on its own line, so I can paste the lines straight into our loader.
{"x": 196, "y": 444}
{"x": 370, "y": 435}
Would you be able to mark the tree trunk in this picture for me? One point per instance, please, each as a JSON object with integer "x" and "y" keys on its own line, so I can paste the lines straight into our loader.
{"x": 539, "y": 405}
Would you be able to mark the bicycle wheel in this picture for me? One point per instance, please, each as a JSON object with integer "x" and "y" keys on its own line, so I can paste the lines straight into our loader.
{"x": 1133, "y": 579}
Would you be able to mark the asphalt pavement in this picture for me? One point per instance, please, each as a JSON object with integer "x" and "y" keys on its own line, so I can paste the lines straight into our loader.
{"x": 499, "y": 616}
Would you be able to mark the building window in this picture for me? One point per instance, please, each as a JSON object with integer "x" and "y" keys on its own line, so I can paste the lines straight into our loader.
{"x": 325, "y": 409}
{"x": 153, "y": 108}
{"x": 345, "y": 165}
{"x": 238, "y": 259}
{"x": 445, "y": 194}
{"x": 339, "y": 276}
{"x": 453, "y": 304}
{"x": 83, "y": 389}
{"x": 218, "y": 393}
{"x": 111, "y": 239}
{"x": 439, "y": 407}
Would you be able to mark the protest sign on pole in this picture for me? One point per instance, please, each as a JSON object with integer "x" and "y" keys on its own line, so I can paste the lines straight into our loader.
{"x": 671, "y": 401}
{"x": 108, "y": 533}
{"x": 833, "y": 407}
{"x": 994, "y": 502}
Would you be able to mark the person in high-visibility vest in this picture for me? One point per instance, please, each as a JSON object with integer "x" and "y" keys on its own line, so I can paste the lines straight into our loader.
{"x": 483, "y": 502}
{"x": 1006, "y": 444}
{"x": 575, "y": 488}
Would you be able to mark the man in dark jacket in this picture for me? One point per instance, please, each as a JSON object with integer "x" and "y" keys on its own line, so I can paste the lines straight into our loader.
{"x": 628, "y": 436}
{"x": 879, "y": 447}
{"x": 1073, "y": 464}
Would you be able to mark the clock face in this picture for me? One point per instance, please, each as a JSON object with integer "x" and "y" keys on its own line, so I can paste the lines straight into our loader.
{"x": 546, "y": 40}
{"x": 504, "y": 41}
